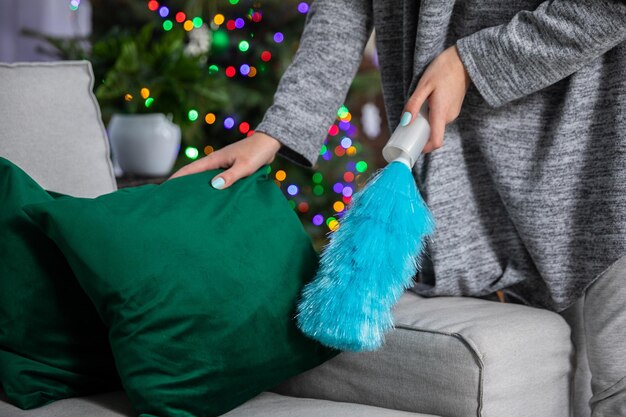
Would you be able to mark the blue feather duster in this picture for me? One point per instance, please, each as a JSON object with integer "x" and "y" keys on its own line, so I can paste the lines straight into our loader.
{"x": 367, "y": 265}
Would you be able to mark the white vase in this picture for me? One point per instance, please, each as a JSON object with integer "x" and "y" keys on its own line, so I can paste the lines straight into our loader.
{"x": 144, "y": 144}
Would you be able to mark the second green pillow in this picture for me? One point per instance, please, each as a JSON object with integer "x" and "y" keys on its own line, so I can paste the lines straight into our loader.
{"x": 198, "y": 287}
{"x": 53, "y": 345}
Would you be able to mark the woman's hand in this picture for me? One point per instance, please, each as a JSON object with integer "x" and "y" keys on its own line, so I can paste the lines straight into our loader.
{"x": 444, "y": 83}
{"x": 242, "y": 158}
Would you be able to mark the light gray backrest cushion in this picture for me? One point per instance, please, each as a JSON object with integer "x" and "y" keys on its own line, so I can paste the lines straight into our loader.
{"x": 50, "y": 126}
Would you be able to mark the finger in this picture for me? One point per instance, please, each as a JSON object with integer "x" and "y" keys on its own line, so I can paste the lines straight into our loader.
{"x": 413, "y": 106}
{"x": 437, "y": 121}
{"x": 227, "y": 178}
{"x": 214, "y": 160}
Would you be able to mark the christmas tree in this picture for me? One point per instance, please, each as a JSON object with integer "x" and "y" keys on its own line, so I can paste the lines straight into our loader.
{"x": 233, "y": 53}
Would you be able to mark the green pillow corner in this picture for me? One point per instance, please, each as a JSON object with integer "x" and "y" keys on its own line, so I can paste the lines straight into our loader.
{"x": 52, "y": 343}
{"x": 198, "y": 287}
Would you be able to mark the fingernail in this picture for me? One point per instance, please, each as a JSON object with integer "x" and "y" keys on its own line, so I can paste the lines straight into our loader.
{"x": 406, "y": 118}
{"x": 217, "y": 183}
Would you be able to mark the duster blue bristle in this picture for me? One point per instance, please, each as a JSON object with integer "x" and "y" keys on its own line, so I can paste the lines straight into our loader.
{"x": 368, "y": 263}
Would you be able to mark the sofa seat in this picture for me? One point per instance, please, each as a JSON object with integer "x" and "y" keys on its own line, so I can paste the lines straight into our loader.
{"x": 447, "y": 356}
{"x": 116, "y": 404}
{"x": 455, "y": 357}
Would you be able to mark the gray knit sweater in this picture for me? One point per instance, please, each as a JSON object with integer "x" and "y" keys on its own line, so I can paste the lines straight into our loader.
{"x": 529, "y": 190}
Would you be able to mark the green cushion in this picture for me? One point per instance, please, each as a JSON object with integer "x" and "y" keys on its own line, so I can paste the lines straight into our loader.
{"x": 52, "y": 343}
{"x": 198, "y": 286}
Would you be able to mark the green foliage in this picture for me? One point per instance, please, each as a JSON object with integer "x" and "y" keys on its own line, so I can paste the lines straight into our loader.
{"x": 156, "y": 60}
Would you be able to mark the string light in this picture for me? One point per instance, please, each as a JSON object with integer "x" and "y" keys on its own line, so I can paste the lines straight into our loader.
{"x": 244, "y": 127}
{"x": 244, "y": 46}
{"x": 318, "y": 219}
{"x": 303, "y": 8}
{"x": 342, "y": 185}
{"x": 292, "y": 189}
{"x": 191, "y": 152}
{"x": 229, "y": 122}
{"x": 209, "y": 118}
{"x": 278, "y": 37}
{"x": 318, "y": 190}
{"x": 218, "y": 19}
{"x": 280, "y": 175}
{"x": 220, "y": 39}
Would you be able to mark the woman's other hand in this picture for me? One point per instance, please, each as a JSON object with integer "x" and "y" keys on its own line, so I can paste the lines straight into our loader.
{"x": 444, "y": 84}
{"x": 240, "y": 159}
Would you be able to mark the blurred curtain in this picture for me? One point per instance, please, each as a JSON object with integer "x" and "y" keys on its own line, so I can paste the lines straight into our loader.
{"x": 51, "y": 17}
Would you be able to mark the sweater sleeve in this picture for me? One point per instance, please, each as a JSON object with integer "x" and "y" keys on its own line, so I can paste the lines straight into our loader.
{"x": 316, "y": 82}
{"x": 538, "y": 48}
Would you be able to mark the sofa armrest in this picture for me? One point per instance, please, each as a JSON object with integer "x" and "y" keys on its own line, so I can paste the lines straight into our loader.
{"x": 455, "y": 357}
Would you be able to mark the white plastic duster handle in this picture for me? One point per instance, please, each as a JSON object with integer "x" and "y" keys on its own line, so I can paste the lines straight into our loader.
{"x": 406, "y": 142}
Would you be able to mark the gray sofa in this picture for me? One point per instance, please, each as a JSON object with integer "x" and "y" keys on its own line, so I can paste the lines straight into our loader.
{"x": 446, "y": 357}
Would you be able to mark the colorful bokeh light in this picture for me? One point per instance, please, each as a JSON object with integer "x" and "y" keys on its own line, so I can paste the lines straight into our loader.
{"x": 209, "y": 118}
{"x": 218, "y": 19}
{"x": 244, "y": 46}
{"x": 244, "y": 127}
{"x": 191, "y": 152}
{"x": 280, "y": 175}
{"x": 318, "y": 220}
{"x": 292, "y": 189}
{"x": 303, "y": 8}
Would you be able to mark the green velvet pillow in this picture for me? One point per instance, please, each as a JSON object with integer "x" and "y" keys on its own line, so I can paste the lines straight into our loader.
{"x": 197, "y": 285}
{"x": 53, "y": 345}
